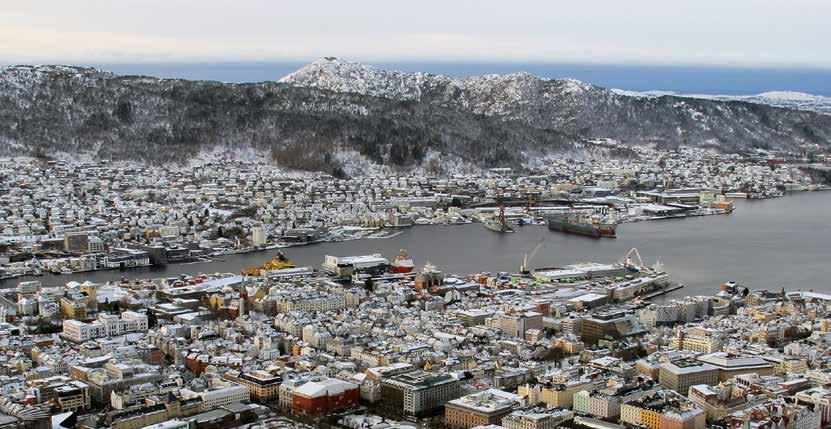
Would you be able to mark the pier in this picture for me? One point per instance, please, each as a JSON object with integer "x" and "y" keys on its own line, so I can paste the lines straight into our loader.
{"x": 672, "y": 286}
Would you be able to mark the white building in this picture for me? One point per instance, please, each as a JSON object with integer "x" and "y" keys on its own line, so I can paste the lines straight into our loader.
{"x": 219, "y": 397}
{"x": 257, "y": 236}
{"x": 599, "y": 405}
{"x": 170, "y": 424}
{"x": 536, "y": 420}
{"x": 819, "y": 397}
{"x": 96, "y": 245}
{"x": 107, "y": 325}
{"x": 78, "y": 331}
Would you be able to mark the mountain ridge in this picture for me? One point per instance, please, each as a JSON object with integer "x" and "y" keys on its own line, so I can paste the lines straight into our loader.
{"x": 334, "y": 66}
{"x": 785, "y": 99}
{"x": 330, "y": 106}
{"x": 578, "y": 108}
{"x": 73, "y": 110}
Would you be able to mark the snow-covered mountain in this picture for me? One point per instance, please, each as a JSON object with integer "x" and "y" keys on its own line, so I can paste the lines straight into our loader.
{"x": 333, "y": 107}
{"x": 333, "y": 74}
{"x": 783, "y": 99}
{"x": 503, "y": 95}
{"x": 55, "y": 109}
{"x": 581, "y": 109}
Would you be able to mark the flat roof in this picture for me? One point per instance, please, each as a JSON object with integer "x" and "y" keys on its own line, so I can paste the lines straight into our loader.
{"x": 483, "y": 402}
{"x": 591, "y": 296}
{"x": 688, "y": 367}
{"x": 728, "y": 361}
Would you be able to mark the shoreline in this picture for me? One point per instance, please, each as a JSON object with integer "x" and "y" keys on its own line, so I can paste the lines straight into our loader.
{"x": 203, "y": 267}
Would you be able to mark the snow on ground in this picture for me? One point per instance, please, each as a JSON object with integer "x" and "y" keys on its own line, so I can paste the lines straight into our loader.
{"x": 790, "y": 96}
{"x": 784, "y": 99}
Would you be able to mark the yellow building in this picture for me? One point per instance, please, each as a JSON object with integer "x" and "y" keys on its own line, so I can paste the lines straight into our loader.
{"x": 91, "y": 289}
{"x": 763, "y": 317}
{"x": 262, "y": 385}
{"x": 259, "y": 293}
{"x": 217, "y": 300}
{"x": 74, "y": 308}
{"x": 697, "y": 339}
{"x": 651, "y": 419}
{"x": 557, "y": 395}
{"x": 569, "y": 346}
{"x": 137, "y": 420}
{"x": 792, "y": 366}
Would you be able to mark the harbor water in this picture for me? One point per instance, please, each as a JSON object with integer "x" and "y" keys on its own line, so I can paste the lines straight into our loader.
{"x": 783, "y": 242}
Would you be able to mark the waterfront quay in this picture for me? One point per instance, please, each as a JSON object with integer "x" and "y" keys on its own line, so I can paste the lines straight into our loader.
{"x": 360, "y": 339}
{"x": 70, "y": 216}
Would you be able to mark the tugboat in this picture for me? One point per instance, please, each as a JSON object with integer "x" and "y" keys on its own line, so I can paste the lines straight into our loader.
{"x": 499, "y": 224}
{"x": 402, "y": 263}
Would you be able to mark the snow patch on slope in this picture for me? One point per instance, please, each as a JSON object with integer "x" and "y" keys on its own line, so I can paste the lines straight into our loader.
{"x": 337, "y": 75}
{"x": 784, "y": 99}
{"x": 512, "y": 96}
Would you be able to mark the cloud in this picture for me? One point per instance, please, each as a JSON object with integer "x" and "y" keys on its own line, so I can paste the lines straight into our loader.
{"x": 735, "y": 32}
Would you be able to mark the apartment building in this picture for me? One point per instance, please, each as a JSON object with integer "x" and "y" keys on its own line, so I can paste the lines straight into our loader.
{"x": 534, "y": 419}
{"x": 680, "y": 375}
{"x": 419, "y": 393}
{"x": 220, "y": 396}
{"x": 478, "y": 409}
{"x": 262, "y": 385}
{"x": 663, "y": 410}
{"x": 559, "y": 395}
{"x": 697, "y": 339}
{"x": 73, "y": 396}
{"x": 107, "y": 325}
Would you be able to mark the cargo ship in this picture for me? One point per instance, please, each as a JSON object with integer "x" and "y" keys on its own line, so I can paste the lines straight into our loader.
{"x": 402, "y": 263}
{"x": 577, "y": 225}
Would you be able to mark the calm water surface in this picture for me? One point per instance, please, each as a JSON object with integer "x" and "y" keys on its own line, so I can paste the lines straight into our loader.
{"x": 682, "y": 79}
{"x": 784, "y": 242}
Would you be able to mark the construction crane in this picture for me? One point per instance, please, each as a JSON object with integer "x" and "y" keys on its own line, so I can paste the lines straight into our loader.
{"x": 632, "y": 265}
{"x": 499, "y": 224}
{"x": 523, "y": 269}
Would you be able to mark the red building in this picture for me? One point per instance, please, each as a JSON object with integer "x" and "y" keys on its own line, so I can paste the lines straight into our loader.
{"x": 197, "y": 363}
{"x": 324, "y": 396}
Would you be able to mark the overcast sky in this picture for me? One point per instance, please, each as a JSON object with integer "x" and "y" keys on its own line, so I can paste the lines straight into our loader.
{"x": 710, "y": 32}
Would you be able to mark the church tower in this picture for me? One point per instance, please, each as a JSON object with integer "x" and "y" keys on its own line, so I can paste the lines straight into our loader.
{"x": 243, "y": 297}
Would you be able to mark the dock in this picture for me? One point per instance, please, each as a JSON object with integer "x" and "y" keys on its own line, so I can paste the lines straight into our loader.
{"x": 663, "y": 291}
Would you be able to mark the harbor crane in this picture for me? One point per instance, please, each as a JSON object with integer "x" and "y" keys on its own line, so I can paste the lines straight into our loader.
{"x": 499, "y": 224}
{"x": 523, "y": 269}
{"x": 633, "y": 265}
